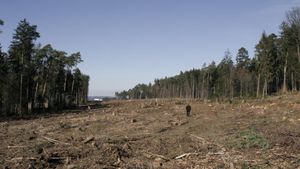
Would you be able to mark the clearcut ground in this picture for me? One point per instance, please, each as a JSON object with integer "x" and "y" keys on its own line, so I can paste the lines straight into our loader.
{"x": 142, "y": 134}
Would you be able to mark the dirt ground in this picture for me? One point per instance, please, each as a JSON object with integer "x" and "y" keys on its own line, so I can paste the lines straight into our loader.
{"x": 141, "y": 134}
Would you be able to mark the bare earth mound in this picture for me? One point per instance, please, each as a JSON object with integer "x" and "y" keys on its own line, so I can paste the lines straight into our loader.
{"x": 141, "y": 134}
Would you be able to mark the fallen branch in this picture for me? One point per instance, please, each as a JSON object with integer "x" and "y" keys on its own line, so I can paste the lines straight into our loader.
{"x": 58, "y": 158}
{"x": 91, "y": 138}
{"x": 287, "y": 155}
{"x": 157, "y": 155}
{"x": 200, "y": 138}
{"x": 204, "y": 141}
{"x": 217, "y": 153}
{"x": 16, "y": 146}
{"x": 21, "y": 159}
{"x": 185, "y": 155}
{"x": 54, "y": 141}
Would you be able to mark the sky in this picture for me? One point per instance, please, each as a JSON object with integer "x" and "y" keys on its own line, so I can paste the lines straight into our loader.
{"x": 126, "y": 42}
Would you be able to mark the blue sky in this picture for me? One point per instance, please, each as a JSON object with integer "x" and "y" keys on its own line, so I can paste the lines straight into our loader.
{"x": 126, "y": 42}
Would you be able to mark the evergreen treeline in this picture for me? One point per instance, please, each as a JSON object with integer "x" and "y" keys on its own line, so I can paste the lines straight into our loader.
{"x": 35, "y": 78}
{"x": 274, "y": 68}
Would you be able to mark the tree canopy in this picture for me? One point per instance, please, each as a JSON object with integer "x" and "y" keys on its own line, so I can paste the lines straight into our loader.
{"x": 37, "y": 78}
{"x": 274, "y": 68}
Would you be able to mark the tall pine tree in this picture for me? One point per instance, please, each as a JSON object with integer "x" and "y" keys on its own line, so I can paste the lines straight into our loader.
{"x": 21, "y": 57}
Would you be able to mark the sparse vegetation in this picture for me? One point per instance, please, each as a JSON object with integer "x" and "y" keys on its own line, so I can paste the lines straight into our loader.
{"x": 252, "y": 139}
{"x": 217, "y": 135}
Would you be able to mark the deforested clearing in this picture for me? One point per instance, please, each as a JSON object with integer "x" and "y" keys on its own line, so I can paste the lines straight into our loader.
{"x": 149, "y": 134}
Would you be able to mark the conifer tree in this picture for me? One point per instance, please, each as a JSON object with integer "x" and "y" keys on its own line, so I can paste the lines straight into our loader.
{"x": 21, "y": 56}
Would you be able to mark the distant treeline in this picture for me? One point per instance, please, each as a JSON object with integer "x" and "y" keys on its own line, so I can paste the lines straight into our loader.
{"x": 274, "y": 68}
{"x": 37, "y": 78}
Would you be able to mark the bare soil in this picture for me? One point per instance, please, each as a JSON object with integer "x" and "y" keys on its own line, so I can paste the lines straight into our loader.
{"x": 142, "y": 134}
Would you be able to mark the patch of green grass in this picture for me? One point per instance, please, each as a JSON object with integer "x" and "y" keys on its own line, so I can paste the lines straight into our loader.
{"x": 252, "y": 139}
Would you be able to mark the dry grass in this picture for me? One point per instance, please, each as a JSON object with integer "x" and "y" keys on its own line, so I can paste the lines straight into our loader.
{"x": 140, "y": 134}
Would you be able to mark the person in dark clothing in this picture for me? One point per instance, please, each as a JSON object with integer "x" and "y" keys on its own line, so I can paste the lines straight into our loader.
{"x": 188, "y": 110}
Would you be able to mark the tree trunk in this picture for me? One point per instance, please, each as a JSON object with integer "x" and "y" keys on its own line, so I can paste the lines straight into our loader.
{"x": 21, "y": 84}
{"x": 180, "y": 92}
{"x": 193, "y": 90}
{"x": 265, "y": 88}
{"x": 72, "y": 86}
{"x": 21, "y": 91}
{"x": 298, "y": 52}
{"x": 46, "y": 79}
{"x": 44, "y": 89}
{"x": 231, "y": 84}
{"x": 202, "y": 88}
{"x": 277, "y": 84}
{"x": 284, "y": 75}
{"x": 65, "y": 82}
{"x": 207, "y": 88}
{"x": 258, "y": 86}
{"x": 45, "y": 86}
{"x": 35, "y": 93}
{"x": 241, "y": 88}
{"x": 292, "y": 81}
